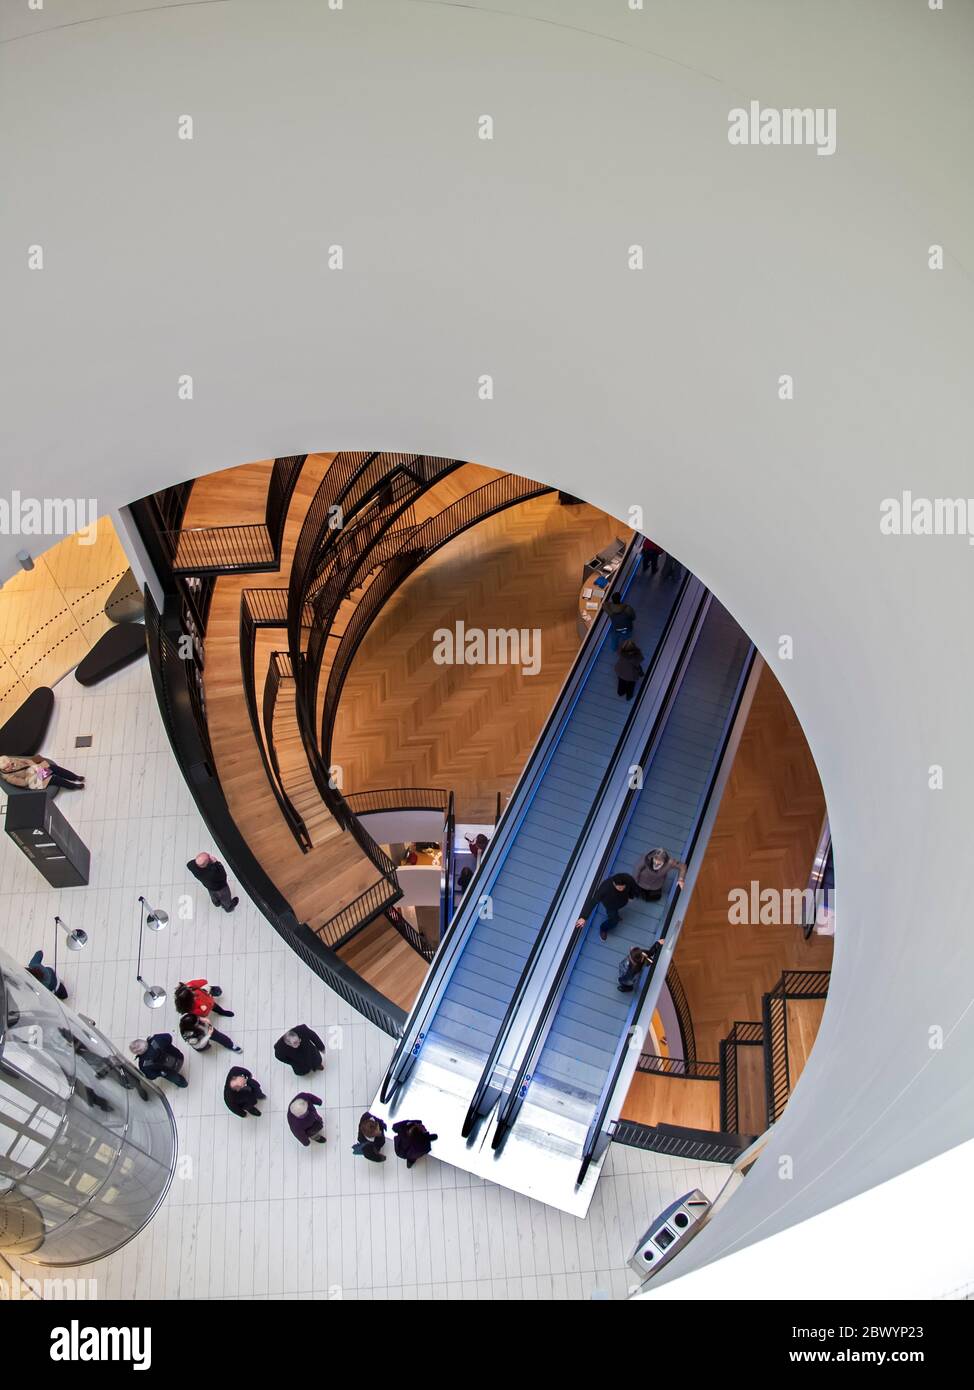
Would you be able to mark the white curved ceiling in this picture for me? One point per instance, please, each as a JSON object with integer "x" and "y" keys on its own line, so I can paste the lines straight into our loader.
{"x": 655, "y": 388}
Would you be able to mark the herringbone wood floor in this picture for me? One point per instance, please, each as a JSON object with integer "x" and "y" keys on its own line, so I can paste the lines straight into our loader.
{"x": 766, "y": 829}
{"x": 407, "y": 722}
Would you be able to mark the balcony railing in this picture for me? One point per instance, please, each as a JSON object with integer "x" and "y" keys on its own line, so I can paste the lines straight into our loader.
{"x": 794, "y": 984}
{"x": 233, "y": 549}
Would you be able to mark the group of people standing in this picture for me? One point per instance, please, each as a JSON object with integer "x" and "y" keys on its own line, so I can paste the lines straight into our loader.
{"x": 300, "y": 1048}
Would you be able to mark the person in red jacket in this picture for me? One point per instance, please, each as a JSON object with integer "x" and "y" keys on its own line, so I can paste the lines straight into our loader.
{"x": 196, "y": 998}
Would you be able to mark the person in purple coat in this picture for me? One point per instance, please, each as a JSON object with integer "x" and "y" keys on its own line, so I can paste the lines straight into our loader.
{"x": 303, "y": 1119}
{"x": 413, "y": 1140}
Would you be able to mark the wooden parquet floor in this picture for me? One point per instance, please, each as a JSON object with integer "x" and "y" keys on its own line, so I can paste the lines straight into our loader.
{"x": 670, "y": 1100}
{"x": 766, "y": 829}
{"x": 380, "y": 955}
{"x": 405, "y": 721}
{"x": 804, "y": 1019}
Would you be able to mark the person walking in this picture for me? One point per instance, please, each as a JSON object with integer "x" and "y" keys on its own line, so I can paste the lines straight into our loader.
{"x": 158, "y": 1059}
{"x": 653, "y": 870}
{"x": 622, "y": 616}
{"x": 612, "y": 894}
{"x": 199, "y": 1033}
{"x": 196, "y": 998}
{"x": 301, "y": 1049}
{"x": 213, "y": 876}
{"x": 631, "y": 967}
{"x": 303, "y": 1119}
{"x": 241, "y": 1092}
{"x": 371, "y": 1138}
{"x": 650, "y": 556}
{"x": 36, "y": 773}
{"x": 46, "y": 975}
{"x": 413, "y": 1141}
{"x": 629, "y": 668}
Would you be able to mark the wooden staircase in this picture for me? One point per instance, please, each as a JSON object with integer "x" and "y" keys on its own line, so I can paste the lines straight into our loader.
{"x": 386, "y": 961}
{"x": 760, "y": 1063}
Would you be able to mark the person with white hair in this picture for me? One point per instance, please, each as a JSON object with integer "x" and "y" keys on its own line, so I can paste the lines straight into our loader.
{"x": 158, "y": 1059}
{"x": 303, "y": 1119}
{"x": 301, "y": 1048}
{"x": 213, "y": 876}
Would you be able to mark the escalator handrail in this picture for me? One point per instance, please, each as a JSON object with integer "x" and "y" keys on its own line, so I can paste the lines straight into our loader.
{"x": 549, "y": 737}
{"x": 512, "y": 1102}
{"x": 446, "y": 883}
{"x": 639, "y": 998}
{"x": 541, "y": 940}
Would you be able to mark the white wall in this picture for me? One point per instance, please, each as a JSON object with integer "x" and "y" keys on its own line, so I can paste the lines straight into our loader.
{"x": 401, "y": 827}
{"x": 464, "y": 257}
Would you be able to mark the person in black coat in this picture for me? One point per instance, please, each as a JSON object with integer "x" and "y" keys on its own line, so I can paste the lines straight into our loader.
{"x": 241, "y": 1092}
{"x": 371, "y": 1138}
{"x": 301, "y": 1049}
{"x": 213, "y": 876}
{"x": 613, "y": 894}
{"x": 158, "y": 1059}
{"x": 413, "y": 1140}
{"x": 628, "y": 668}
{"x": 303, "y": 1119}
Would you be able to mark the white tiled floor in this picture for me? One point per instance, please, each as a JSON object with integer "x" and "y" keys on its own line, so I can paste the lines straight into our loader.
{"x": 251, "y": 1213}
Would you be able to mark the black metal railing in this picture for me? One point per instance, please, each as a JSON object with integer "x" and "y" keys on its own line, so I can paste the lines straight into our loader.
{"x": 409, "y": 934}
{"x": 351, "y": 919}
{"x": 741, "y": 1035}
{"x": 233, "y": 548}
{"x": 448, "y": 874}
{"x": 266, "y": 608}
{"x": 681, "y": 1006}
{"x": 352, "y": 480}
{"x": 398, "y": 799}
{"x": 794, "y": 984}
{"x": 694, "y": 1145}
{"x": 683, "y": 1067}
{"x": 220, "y": 549}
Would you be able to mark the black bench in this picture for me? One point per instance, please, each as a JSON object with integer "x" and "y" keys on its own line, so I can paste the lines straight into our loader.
{"x": 119, "y": 647}
{"x": 24, "y": 731}
{"x": 125, "y": 603}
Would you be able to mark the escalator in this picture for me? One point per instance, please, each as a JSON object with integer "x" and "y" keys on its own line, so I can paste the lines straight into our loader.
{"x": 566, "y": 1092}
{"x": 502, "y": 918}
